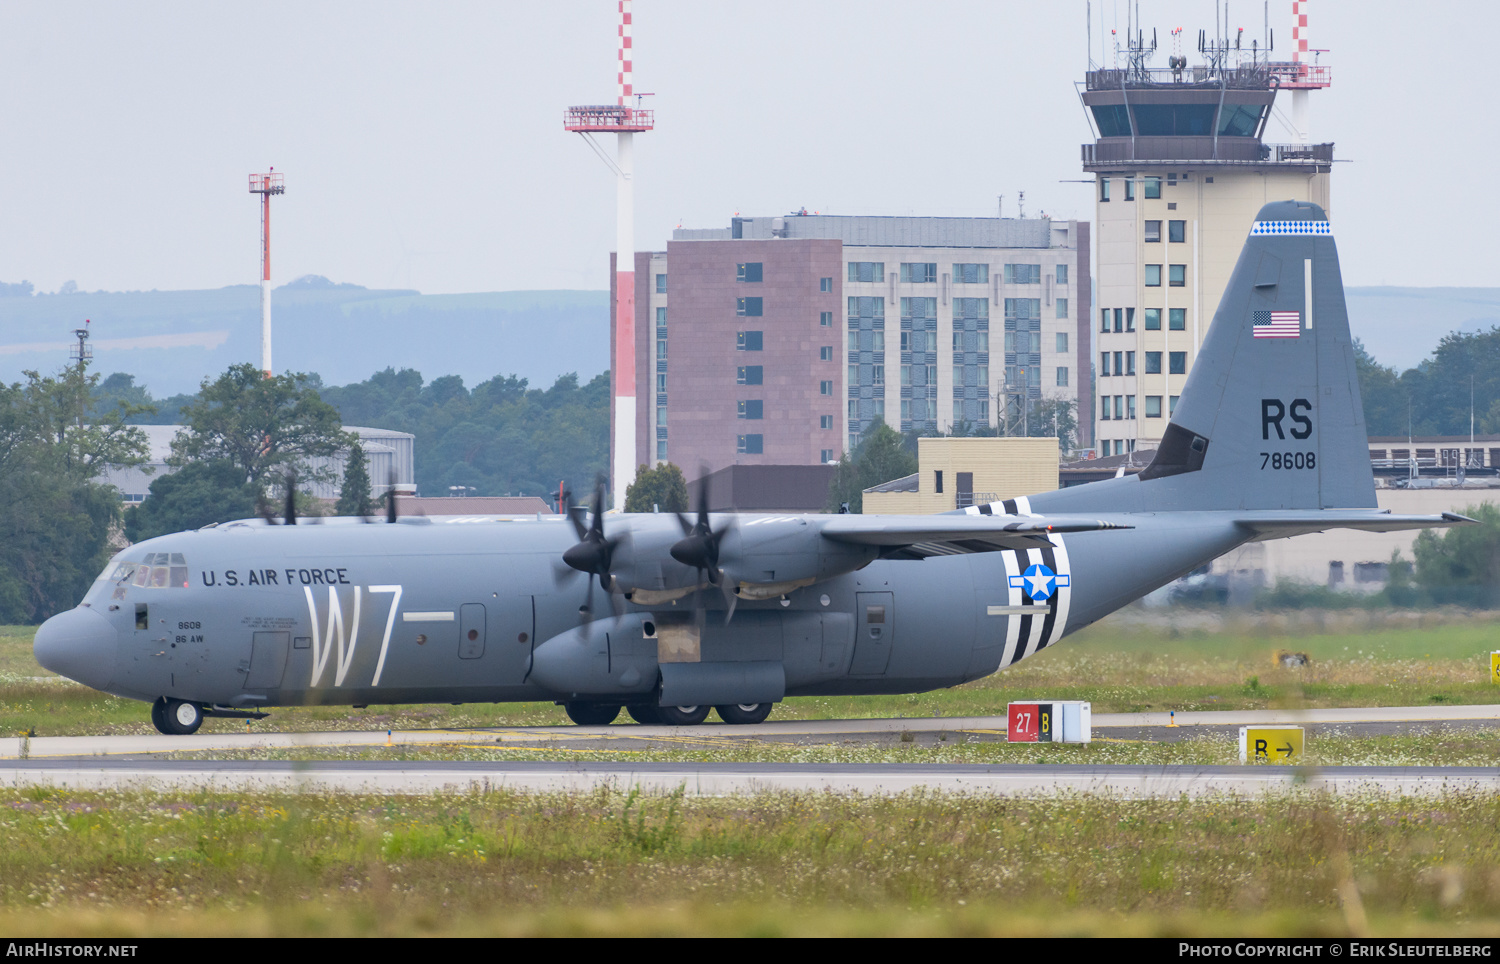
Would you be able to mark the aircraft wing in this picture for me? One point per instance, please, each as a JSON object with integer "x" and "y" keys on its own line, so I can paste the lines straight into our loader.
{"x": 917, "y": 537}
{"x": 1279, "y": 525}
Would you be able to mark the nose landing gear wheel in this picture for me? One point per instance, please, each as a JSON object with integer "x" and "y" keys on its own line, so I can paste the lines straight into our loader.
{"x": 682, "y": 715}
{"x": 176, "y": 717}
{"x": 592, "y": 714}
{"x": 745, "y": 712}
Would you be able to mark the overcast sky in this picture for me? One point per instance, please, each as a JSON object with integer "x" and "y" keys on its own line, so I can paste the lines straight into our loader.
{"x": 423, "y": 144}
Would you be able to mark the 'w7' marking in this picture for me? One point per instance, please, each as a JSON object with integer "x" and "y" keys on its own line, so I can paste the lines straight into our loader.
{"x": 334, "y": 635}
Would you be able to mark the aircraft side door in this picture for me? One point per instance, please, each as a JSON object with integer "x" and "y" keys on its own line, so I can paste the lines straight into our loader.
{"x": 471, "y": 631}
{"x": 875, "y": 625}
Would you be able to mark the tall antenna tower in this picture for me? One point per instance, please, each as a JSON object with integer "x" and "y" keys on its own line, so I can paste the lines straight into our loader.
{"x": 624, "y": 119}
{"x": 83, "y": 354}
{"x": 266, "y": 185}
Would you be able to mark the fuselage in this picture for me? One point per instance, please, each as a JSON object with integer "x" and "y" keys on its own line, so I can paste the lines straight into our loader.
{"x": 251, "y": 615}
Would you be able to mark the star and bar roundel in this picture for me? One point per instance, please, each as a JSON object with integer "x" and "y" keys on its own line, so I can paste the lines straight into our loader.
{"x": 1039, "y": 586}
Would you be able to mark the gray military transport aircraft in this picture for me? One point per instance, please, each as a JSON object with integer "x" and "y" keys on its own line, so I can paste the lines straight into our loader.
{"x": 1268, "y": 441}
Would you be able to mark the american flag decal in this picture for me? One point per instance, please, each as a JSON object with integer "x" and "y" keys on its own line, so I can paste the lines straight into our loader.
{"x": 1277, "y": 324}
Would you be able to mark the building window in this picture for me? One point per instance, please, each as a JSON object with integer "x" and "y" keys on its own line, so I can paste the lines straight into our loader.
{"x": 661, "y": 349}
{"x": 661, "y": 383}
{"x": 1120, "y": 406}
{"x": 1062, "y": 274}
{"x": 1104, "y": 364}
{"x": 1062, "y": 307}
{"x": 825, "y": 353}
{"x": 877, "y": 374}
{"x": 1104, "y": 196}
{"x": 749, "y": 307}
{"x": 661, "y": 317}
{"x": 1130, "y": 363}
{"x": 854, "y": 378}
{"x": 661, "y": 450}
{"x": 1153, "y": 188}
{"x": 971, "y": 274}
{"x": 661, "y": 416}
{"x": 880, "y": 408}
{"x": 1177, "y": 362}
{"x": 937, "y": 481}
{"x": 1177, "y": 319}
{"x": 1172, "y": 404}
{"x": 1023, "y": 274}
{"x": 1062, "y": 377}
{"x": 1130, "y": 319}
{"x": 1129, "y": 189}
{"x": 750, "y": 445}
{"x": 1177, "y": 275}
{"x": 1153, "y": 232}
{"x": 1176, "y": 231}
{"x": 754, "y": 408}
{"x": 866, "y": 271}
{"x": 1104, "y": 408}
{"x": 825, "y": 388}
{"x": 1119, "y": 324}
{"x": 1119, "y": 363}
{"x": 749, "y": 271}
{"x": 1153, "y": 318}
{"x": 1153, "y": 363}
{"x": 750, "y": 340}
{"x": 918, "y": 273}
{"x": 1153, "y": 406}
{"x": 825, "y": 455}
{"x": 825, "y": 421}
{"x": 1130, "y": 406}
{"x": 825, "y": 319}
{"x": 1062, "y": 341}
{"x": 661, "y": 284}
{"x": 1104, "y": 319}
{"x": 750, "y": 375}
{"x": 1153, "y": 276}
{"x": 825, "y": 285}
{"x": 877, "y": 340}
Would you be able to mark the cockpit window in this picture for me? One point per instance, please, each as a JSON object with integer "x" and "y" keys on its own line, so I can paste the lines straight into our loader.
{"x": 159, "y": 570}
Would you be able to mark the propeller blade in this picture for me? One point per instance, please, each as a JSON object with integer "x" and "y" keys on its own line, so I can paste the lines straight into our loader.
{"x": 290, "y": 513}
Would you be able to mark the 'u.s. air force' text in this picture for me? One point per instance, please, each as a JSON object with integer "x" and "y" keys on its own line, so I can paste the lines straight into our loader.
{"x": 327, "y": 576}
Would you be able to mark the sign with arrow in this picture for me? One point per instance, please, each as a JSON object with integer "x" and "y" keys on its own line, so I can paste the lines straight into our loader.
{"x": 1271, "y": 744}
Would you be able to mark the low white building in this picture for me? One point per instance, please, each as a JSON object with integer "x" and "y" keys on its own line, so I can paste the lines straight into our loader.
{"x": 385, "y": 451}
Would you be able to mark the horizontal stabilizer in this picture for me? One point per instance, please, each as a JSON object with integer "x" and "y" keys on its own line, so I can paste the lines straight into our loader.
{"x": 1280, "y": 525}
{"x": 916, "y": 537}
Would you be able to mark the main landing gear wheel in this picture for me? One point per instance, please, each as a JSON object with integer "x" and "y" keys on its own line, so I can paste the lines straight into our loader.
{"x": 682, "y": 715}
{"x": 643, "y": 714}
{"x": 745, "y": 712}
{"x": 592, "y": 714}
{"x": 176, "y": 717}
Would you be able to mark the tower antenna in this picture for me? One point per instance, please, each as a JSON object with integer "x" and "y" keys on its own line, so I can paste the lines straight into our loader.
{"x": 266, "y": 185}
{"x": 624, "y": 119}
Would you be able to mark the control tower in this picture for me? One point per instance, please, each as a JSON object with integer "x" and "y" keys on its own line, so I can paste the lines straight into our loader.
{"x": 1181, "y": 165}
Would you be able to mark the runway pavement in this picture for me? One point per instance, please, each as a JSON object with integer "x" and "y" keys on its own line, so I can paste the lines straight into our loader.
{"x": 116, "y": 761}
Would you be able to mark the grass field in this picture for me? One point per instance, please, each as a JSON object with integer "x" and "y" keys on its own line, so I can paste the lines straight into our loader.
{"x": 1131, "y": 662}
{"x": 773, "y": 864}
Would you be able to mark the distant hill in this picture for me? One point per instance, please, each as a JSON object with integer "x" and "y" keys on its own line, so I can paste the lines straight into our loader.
{"x": 172, "y": 340}
{"x": 1401, "y": 326}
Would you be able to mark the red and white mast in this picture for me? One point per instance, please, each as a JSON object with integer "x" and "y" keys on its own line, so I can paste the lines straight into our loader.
{"x": 266, "y": 185}
{"x": 624, "y": 121}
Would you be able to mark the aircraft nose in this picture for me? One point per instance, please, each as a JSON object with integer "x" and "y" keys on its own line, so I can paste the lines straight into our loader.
{"x": 79, "y": 644}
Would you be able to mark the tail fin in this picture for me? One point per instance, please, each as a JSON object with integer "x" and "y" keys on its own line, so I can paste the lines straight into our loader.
{"x": 1270, "y": 416}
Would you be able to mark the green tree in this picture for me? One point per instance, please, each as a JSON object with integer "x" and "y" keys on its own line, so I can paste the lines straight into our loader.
{"x": 879, "y": 458}
{"x": 662, "y": 487}
{"x": 264, "y": 427}
{"x": 354, "y": 497}
{"x": 196, "y": 495}
{"x": 56, "y": 519}
{"x": 1462, "y": 564}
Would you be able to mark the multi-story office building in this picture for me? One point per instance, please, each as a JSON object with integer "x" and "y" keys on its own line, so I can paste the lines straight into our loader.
{"x": 1181, "y": 169}
{"x": 781, "y": 340}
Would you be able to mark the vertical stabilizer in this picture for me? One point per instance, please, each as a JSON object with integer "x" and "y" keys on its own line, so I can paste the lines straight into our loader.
{"x": 1270, "y": 416}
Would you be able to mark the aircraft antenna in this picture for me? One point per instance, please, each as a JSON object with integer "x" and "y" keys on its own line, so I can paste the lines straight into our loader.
{"x": 624, "y": 119}
{"x": 266, "y": 185}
